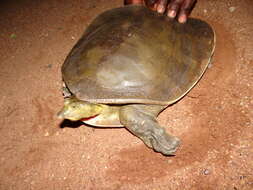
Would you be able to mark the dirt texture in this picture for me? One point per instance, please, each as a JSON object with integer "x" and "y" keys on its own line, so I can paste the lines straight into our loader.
{"x": 39, "y": 151}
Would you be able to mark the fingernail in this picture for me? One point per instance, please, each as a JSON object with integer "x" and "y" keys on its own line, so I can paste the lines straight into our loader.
{"x": 182, "y": 19}
{"x": 160, "y": 9}
{"x": 172, "y": 13}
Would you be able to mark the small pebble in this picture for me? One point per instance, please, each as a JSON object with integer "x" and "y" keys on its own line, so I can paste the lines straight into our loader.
{"x": 231, "y": 9}
{"x": 206, "y": 172}
{"x": 49, "y": 66}
{"x": 13, "y": 36}
{"x": 46, "y": 134}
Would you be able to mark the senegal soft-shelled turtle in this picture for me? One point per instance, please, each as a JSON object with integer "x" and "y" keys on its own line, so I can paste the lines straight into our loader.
{"x": 129, "y": 65}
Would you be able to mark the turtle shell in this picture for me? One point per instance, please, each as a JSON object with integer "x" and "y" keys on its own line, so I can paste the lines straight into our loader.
{"x": 134, "y": 55}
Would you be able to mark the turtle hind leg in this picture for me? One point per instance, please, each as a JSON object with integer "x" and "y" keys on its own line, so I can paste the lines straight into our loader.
{"x": 141, "y": 121}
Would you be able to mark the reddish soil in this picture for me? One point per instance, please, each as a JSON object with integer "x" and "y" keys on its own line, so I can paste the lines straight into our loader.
{"x": 38, "y": 151}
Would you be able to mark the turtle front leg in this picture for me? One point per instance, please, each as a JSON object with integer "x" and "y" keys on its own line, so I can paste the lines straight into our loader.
{"x": 141, "y": 121}
{"x": 65, "y": 91}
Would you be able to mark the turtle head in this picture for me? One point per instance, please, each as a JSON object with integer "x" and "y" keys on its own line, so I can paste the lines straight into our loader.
{"x": 75, "y": 109}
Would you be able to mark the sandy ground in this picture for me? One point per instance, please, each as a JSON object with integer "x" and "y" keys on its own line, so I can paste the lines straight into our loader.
{"x": 39, "y": 151}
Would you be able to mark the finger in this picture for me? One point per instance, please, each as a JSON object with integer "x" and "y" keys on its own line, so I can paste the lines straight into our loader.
{"x": 128, "y": 2}
{"x": 155, "y": 7}
{"x": 185, "y": 10}
{"x": 161, "y": 6}
{"x": 152, "y": 4}
{"x": 173, "y": 8}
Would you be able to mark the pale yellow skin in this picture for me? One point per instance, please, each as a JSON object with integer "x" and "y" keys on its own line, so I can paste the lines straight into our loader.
{"x": 140, "y": 119}
{"x": 100, "y": 115}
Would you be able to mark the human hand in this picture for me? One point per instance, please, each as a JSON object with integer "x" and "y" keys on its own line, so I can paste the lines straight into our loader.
{"x": 173, "y": 8}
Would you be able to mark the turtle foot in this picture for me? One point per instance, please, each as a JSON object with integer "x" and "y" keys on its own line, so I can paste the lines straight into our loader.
{"x": 163, "y": 142}
{"x": 141, "y": 121}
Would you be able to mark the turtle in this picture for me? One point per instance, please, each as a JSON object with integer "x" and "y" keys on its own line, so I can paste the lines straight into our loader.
{"x": 129, "y": 65}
